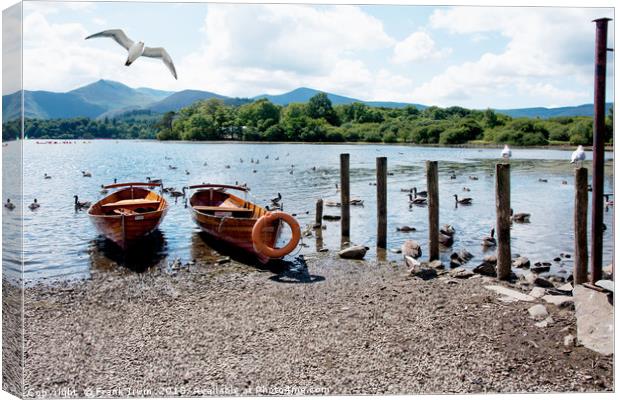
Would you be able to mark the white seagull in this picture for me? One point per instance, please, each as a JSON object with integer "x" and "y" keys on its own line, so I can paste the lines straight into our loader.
{"x": 137, "y": 49}
{"x": 578, "y": 156}
{"x": 506, "y": 153}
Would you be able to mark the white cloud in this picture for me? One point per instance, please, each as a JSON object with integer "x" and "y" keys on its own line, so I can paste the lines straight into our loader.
{"x": 545, "y": 45}
{"x": 418, "y": 46}
{"x": 57, "y": 58}
{"x": 254, "y": 49}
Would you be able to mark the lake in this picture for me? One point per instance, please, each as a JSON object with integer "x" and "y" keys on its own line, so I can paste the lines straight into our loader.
{"x": 60, "y": 243}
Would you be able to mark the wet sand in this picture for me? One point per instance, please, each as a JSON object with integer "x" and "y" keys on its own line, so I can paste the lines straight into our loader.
{"x": 335, "y": 327}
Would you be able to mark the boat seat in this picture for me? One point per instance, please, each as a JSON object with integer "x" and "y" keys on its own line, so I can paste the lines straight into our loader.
{"x": 222, "y": 209}
{"x": 133, "y": 203}
{"x": 123, "y": 211}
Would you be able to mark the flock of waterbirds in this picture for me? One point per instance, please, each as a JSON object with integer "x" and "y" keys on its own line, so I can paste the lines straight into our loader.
{"x": 415, "y": 197}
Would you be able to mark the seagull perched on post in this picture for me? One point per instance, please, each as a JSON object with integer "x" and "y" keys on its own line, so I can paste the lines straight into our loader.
{"x": 506, "y": 153}
{"x": 137, "y": 49}
{"x": 578, "y": 156}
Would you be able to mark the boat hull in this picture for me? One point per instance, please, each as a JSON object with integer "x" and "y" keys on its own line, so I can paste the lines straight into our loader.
{"x": 127, "y": 230}
{"x": 234, "y": 232}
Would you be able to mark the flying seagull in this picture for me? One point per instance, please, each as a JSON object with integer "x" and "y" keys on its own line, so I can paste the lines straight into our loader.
{"x": 137, "y": 49}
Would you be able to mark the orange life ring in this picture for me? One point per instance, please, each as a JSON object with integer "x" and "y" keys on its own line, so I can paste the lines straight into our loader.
{"x": 272, "y": 252}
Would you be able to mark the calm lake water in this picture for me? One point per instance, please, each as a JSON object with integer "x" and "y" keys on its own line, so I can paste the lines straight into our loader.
{"x": 62, "y": 244}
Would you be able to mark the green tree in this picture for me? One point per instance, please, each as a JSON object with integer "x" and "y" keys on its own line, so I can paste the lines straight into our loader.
{"x": 320, "y": 106}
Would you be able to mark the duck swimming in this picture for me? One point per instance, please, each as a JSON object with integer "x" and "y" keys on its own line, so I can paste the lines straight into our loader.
{"x": 465, "y": 200}
{"x": 34, "y": 205}
{"x": 9, "y": 205}
{"x": 519, "y": 217}
{"x": 80, "y": 204}
{"x": 420, "y": 201}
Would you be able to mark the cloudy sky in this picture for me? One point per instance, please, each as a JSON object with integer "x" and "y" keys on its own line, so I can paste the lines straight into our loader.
{"x": 470, "y": 56}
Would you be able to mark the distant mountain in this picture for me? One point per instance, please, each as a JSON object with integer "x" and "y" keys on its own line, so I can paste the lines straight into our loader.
{"x": 184, "y": 98}
{"x": 47, "y": 105}
{"x": 303, "y": 94}
{"x": 105, "y": 98}
{"x": 584, "y": 110}
{"x": 112, "y": 95}
{"x": 89, "y": 101}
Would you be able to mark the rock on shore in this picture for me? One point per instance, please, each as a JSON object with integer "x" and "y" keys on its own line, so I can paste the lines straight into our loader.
{"x": 331, "y": 326}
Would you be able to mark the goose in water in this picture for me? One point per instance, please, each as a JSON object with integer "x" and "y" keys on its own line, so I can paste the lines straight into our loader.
{"x": 103, "y": 190}
{"x": 34, "y": 205}
{"x": 157, "y": 181}
{"x": 466, "y": 189}
{"x": 506, "y": 153}
{"x": 519, "y": 217}
{"x": 405, "y": 228}
{"x": 276, "y": 200}
{"x": 453, "y": 175}
{"x": 186, "y": 172}
{"x": 86, "y": 174}
{"x": 489, "y": 241}
{"x": 171, "y": 167}
{"x": 420, "y": 201}
{"x": 46, "y": 176}
{"x": 473, "y": 177}
{"x": 9, "y": 205}
{"x": 578, "y": 156}
{"x": 80, "y": 204}
{"x": 422, "y": 193}
{"x": 465, "y": 200}
{"x": 176, "y": 193}
{"x": 446, "y": 235}
{"x": 356, "y": 202}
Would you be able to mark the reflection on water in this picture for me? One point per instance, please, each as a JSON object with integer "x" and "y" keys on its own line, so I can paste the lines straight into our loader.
{"x": 61, "y": 243}
{"x": 145, "y": 254}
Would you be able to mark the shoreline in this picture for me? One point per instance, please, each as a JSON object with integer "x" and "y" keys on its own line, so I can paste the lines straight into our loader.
{"x": 326, "y": 324}
{"x": 609, "y": 148}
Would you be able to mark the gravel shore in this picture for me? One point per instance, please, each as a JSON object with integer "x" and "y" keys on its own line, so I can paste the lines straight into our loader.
{"x": 335, "y": 327}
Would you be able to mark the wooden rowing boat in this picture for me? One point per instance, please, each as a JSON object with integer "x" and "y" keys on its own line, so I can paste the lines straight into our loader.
{"x": 231, "y": 219}
{"x": 129, "y": 214}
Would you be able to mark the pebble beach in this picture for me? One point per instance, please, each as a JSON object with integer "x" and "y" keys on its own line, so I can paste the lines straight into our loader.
{"x": 321, "y": 325}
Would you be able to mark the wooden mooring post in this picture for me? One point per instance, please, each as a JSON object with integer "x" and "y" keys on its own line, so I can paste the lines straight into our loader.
{"x": 502, "y": 203}
{"x": 345, "y": 197}
{"x": 432, "y": 186}
{"x": 598, "y": 150}
{"x": 318, "y": 219}
{"x": 382, "y": 202}
{"x": 580, "y": 272}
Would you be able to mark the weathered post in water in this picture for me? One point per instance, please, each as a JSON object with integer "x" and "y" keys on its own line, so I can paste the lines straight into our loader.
{"x": 580, "y": 272}
{"x": 598, "y": 150}
{"x": 318, "y": 220}
{"x": 432, "y": 186}
{"x": 345, "y": 197}
{"x": 382, "y": 202}
{"x": 502, "y": 203}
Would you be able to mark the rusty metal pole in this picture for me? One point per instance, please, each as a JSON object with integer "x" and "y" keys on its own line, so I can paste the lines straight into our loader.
{"x": 598, "y": 149}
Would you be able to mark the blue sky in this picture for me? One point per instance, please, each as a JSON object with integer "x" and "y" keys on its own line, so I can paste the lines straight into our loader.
{"x": 470, "y": 56}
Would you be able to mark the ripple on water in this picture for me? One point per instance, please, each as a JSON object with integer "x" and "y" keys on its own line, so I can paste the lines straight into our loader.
{"x": 62, "y": 244}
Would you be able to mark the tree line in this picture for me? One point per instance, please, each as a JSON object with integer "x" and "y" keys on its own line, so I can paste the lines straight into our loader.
{"x": 319, "y": 120}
